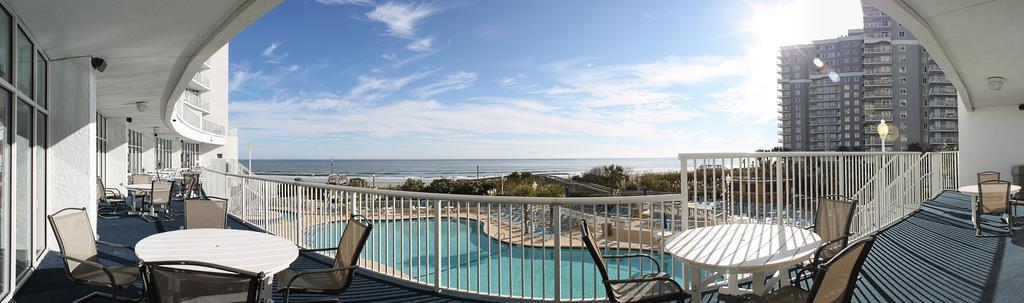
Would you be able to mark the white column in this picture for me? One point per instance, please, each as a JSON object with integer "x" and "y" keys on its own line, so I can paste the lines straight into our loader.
{"x": 71, "y": 167}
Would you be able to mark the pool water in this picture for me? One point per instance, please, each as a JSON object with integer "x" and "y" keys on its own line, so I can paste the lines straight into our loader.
{"x": 473, "y": 261}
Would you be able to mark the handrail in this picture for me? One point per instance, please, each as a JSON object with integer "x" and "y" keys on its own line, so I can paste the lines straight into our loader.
{"x": 787, "y": 154}
{"x": 471, "y": 198}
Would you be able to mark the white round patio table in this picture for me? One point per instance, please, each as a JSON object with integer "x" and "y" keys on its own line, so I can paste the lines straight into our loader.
{"x": 241, "y": 249}
{"x": 730, "y": 250}
{"x": 972, "y": 190}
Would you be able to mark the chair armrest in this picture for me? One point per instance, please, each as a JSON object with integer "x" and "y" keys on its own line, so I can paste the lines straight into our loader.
{"x": 810, "y": 227}
{"x": 288, "y": 284}
{"x": 216, "y": 198}
{"x": 656, "y": 263}
{"x": 105, "y": 243}
{"x": 113, "y": 191}
{"x": 90, "y": 264}
{"x": 317, "y": 249}
{"x": 817, "y": 252}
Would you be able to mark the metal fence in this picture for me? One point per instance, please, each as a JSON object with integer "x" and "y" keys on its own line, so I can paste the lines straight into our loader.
{"x": 530, "y": 248}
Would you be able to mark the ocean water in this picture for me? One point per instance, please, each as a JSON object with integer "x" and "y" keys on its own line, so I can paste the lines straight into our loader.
{"x": 398, "y": 170}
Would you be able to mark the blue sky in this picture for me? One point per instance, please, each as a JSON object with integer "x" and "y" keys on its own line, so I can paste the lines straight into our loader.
{"x": 362, "y": 79}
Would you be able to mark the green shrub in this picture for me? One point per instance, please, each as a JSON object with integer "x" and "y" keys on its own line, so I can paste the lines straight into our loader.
{"x": 357, "y": 182}
{"x": 413, "y": 185}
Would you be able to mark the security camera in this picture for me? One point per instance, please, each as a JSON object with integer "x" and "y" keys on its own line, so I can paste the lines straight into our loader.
{"x": 129, "y": 119}
{"x": 1020, "y": 107}
{"x": 99, "y": 64}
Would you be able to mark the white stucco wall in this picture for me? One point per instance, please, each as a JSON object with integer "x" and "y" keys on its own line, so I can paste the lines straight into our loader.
{"x": 218, "y": 97}
{"x": 71, "y": 159}
{"x": 990, "y": 139}
{"x": 117, "y": 154}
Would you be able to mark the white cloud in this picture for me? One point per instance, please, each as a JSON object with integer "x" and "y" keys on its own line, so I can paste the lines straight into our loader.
{"x": 270, "y": 56}
{"x": 401, "y": 18}
{"x": 456, "y": 81}
{"x": 346, "y": 2}
{"x": 421, "y": 45}
{"x": 244, "y": 75}
{"x": 370, "y": 88}
{"x": 389, "y": 57}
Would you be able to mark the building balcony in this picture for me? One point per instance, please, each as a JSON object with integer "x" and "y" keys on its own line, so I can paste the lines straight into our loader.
{"x": 824, "y": 121}
{"x": 824, "y": 91}
{"x": 943, "y": 140}
{"x": 878, "y": 117}
{"x": 942, "y": 103}
{"x": 820, "y": 106}
{"x": 199, "y": 82}
{"x": 195, "y": 101}
{"x": 884, "y": 106}
{"x": 870, "y": 83}
{"x": 943, "y": 115}
{"x": 824, "y": 129}
{"x": 877, "y": 50}
{"x": 195, "y": 125}
{"x": 206, "y": 65}
{"x": 938, "y": 80}
{"x": 947, "y": 91}
{"x": 823, "y": 114}
{"x": 879, "y": 60}
{"x": 824, "y": 83}
{"x": 878, "y": 94}
{"x": 943, "y": 128}
{"x": 872, "y": 72}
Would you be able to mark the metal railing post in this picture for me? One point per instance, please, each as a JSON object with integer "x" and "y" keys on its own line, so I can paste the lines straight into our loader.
{"x": 437, "y": 245}
{"x": 684, "y": 188}
{"x": 778, "y": 189}
{"x": 556, "y": 223}
{"x": 245, "y": 216}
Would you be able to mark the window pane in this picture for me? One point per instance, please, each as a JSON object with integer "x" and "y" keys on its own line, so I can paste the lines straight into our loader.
{"x": 40, "y": 174}
{"x": 5, "y": 214}
{"x": 24, "y": 63}
{"x": 40, "y": 96}
{"x": 23, "y": 191}
{"x": 5, "y": 45}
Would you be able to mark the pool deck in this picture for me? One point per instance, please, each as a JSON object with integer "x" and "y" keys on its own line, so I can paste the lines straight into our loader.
{"x": 930, "y": 256}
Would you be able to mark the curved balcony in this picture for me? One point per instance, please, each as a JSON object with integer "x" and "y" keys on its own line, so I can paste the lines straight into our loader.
{"x": 199, "y": 82}
{"x": 192, "y": 124}
{"x": 195, "y": 101}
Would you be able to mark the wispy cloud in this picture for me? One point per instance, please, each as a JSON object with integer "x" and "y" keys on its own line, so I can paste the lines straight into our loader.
{"x": 456, "y": 81}
{"x": 389, "y": 57}
{"x": 346, "y": 2}
{"x": 270, "y": 56}
{"x": 402, "y": 18}
{"x": 244, "y": 75}
{"x": 372, "y": 88}
{"x": 421, "y": 45}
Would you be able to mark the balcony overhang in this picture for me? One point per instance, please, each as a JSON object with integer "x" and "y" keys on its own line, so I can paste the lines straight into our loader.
{"x": 972, "y": 41}
{"x": 152, "y": 47}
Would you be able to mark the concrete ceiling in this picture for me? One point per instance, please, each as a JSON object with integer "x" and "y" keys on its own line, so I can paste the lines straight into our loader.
{"x": 152, "y": 47}
{"x": 971, "y": 41}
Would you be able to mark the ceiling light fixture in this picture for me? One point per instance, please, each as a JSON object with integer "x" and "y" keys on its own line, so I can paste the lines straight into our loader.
{"x": 995, "y": 83}
{"x": 141, "y": 106}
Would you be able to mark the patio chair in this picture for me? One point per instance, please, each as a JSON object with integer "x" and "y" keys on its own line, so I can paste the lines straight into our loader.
{"x": 834, "y": 281}
{"x": 333, "y": 280}
{"x": 993, "y": 198}
{"x": 986, "y": 176}
{"x": 832, "y": 221}
{"x": 160, "y": 196}
{"x": 167, "y": 281}
{"x": 112, "y": 204}
{"x": 189, "y": 185}
{"x": 652, "y": 287}
{"x": 208, "y": 213}
{"x": 74, "y": 233}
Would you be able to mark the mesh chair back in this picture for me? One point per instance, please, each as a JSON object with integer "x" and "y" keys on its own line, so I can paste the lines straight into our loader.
{"x": 832, "y": 220}
{"x": 205, "y": 213}
{"x": 357, "y": 230}
{"x": 986, "y": 176}
{"x": 161, "y": 192}
{"x": 595, "y": 253}
{"x": 994, "y": 196}
{"x": 189, "y": 180}
{"x": 185, "y": 281}
{"x": 101, "y": 191}
{"x": 74, "y": 235}
{"x": 141, "y": 179}
{"x": 835, "y": 283}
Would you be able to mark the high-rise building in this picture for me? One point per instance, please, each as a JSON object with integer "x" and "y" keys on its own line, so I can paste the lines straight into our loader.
{"x": 833, "y": 93}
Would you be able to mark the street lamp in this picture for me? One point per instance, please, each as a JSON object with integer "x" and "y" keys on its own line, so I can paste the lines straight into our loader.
{"x": 250, "y": 157}
{"x": 883, "y": 132}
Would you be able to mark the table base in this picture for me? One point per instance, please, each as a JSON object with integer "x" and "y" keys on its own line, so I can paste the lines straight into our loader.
{"x": 759, "y": 283}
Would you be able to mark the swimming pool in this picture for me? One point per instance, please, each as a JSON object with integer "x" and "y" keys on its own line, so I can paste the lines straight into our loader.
{"x": 473, "y": 261}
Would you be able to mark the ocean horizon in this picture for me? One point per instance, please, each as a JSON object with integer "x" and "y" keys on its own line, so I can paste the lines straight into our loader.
{"x": 397, "y": 170}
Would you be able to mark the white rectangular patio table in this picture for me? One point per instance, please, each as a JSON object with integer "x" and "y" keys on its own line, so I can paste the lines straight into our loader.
{"x": 732, "y": 249}
{"x": 241, "y": 249}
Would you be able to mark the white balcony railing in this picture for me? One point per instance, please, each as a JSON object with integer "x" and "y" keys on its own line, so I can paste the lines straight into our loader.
{"x": 202, "y": 80}
{"x": 195, "y": 120}
{"x": 196, "y": 101}
{"x": 213, "y": 127}
{"x": 529, "y": 248}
